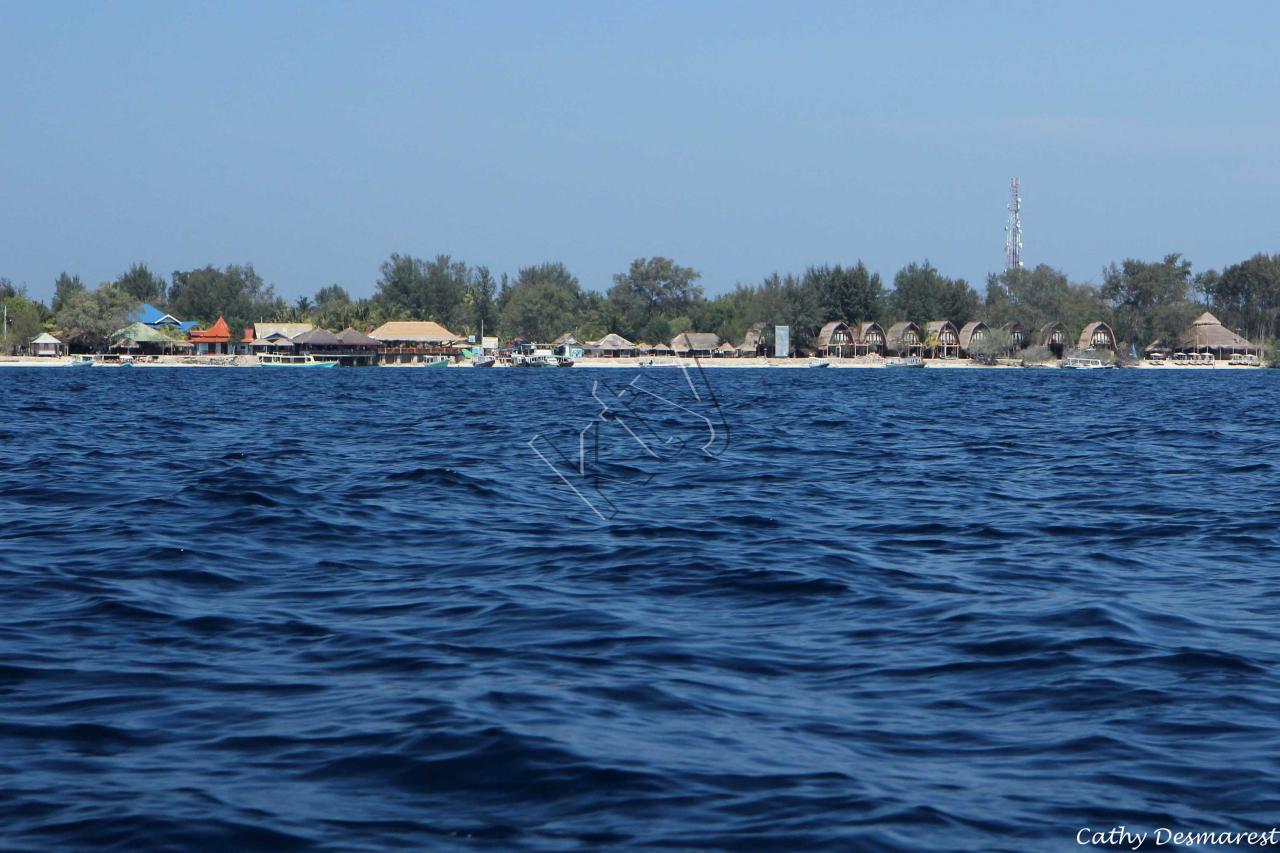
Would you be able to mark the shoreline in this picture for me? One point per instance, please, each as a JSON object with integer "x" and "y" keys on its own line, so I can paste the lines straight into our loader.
{"x": 637, "y": 363}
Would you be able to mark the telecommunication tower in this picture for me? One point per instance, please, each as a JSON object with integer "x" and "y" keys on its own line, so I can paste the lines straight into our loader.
{"x": 1013, "y": 229}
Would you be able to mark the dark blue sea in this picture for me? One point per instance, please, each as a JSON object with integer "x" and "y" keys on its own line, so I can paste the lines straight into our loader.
{"x": 735, "y": 610}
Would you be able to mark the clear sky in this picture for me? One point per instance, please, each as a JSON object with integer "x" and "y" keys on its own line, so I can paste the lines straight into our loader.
{"x": 314, "y": 139}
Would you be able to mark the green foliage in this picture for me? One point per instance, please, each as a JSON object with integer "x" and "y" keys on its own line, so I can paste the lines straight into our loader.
{"x": 235, "y": 292}
{"x": 995, "y": 343}
{"x": 921, "y": 294}
{"x": 1149, "y": 300}
{"x": 545, "y": 301}
{"x": 650, "y": 288}
{"x": 1246, "y": 295}
{"x": 143, "y": 285}
{"x": 427, "y": 290}
{"x": 482, "y": 291}
{"x": 852, "y": 295}
{"x": 25, "y": 319}
{"x": 64, "y": 288}
{"x": 1040, "y": 296}
{"x": 86, "y": 321}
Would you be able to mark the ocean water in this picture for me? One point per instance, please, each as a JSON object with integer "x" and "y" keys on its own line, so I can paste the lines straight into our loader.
{"x": 801, "y": 610}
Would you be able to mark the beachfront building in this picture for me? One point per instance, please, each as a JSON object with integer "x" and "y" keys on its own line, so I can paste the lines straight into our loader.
{"x": 611, "y": 345}
{"x": 695, "y": 344}
{"x": 1097, "y": 335}
{"x": 945, "y": 338}
{"x": 757, "y": 342}
{"x": 567, "y": 346}
{"x": 150, "y": 315}
{"x": 1208, "y": 335}
{"x": 216, "y": 340}
{"x": 245, "y": 347}
{"x": 904, "y": 339}
{"x": 726, "y": 350}
{"x": 413, "y": 341}
{"x": 835, "y": 340}
{"x": 47, "y": 345}
{"x": 141, "y": 339}
{"x": 971, "y": 333}
{"x": 273, "y": 343}
{"x": 657, "y": 349}
{"x": 1053, "y": 336}
{"x": 1017, "y": 334}
{"x": 871, "y": 339}
{"x": 289, "y": 330}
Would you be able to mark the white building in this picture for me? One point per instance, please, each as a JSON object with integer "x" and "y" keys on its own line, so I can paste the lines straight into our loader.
{"x": 47, "y": 344}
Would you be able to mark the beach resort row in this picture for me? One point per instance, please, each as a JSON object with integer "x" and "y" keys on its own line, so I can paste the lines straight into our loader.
{"x": 159, "y": 339}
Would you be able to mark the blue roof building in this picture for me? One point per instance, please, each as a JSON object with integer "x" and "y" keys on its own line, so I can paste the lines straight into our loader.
{"x": 152, "y": 316}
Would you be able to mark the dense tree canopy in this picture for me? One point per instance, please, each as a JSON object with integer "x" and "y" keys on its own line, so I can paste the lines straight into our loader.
{"x": 143, "y": 285}
{"x": 544, "y": 302}
{"x": 921, "y": 294}
{"x": 1150, "y": 300}
{"x": 1246, "y": 295}
{"x": 652, "y": 287}
{"x": 235, "y": 292}
{"x": 88, "y": 319}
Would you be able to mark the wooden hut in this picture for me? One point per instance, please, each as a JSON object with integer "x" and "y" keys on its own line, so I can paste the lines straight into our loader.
{"x": 356, "y": 348}
{"x": 1097, "y": 335}
{"x": 947, "y": 338}
{"x": 870, "y": 339}
{"x": 904, "y": 339}
{"x": 757, "y": 341}
{"x": 147, "y": 339}
{"x": 970, "y": 333}
{"x": 411, "y": 341}
{"x": 47, "y": 345}
{"x": 1054, "y": 337}
{"x": 657, "y": 349}
{"x": 611, "y": 345}
{"x": 695, "y": 344}
{"x": 1207, "y": 334}
{"x": 835, "y": 340}
{"x": 1017, "y": 334}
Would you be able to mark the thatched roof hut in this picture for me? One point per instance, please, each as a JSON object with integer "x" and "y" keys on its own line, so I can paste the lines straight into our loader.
{"x": 695, "y": 343}
{"x": 611, "y": 345}
{"x": 658, "y": 349}
{"x": 1097, "y": 335}
{"x": 972, "y": 331}
{"x": 948, "y": 337}
{"x": 756, "y": 340}
{"x": 835, "y": 339}
{"x": 904, "y": 338}
{"x": 1207, "y": 334}
{"x": 726, "y": 349}
{"x": 1053, "y": 336}
{"x": 1017, "y": 334}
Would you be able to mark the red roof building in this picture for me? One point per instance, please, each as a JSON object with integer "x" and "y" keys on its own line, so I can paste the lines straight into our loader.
{"x": 216, "y": 340}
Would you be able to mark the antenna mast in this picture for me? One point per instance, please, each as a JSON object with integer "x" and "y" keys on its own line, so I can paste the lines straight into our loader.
{"x": 1013, "y": 229}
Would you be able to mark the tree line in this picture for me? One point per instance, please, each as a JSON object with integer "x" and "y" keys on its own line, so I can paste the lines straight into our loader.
{"x": 656, "y": 298}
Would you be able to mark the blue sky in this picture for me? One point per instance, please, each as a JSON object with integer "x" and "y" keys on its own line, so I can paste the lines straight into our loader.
{"x": 314, "y": 139}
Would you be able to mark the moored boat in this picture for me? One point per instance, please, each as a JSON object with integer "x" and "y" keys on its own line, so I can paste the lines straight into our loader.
{"x": 484, "y": 361}
{"x": 1077, "y": 363}
{"x": 819, "y": 362}
{"x": 83, "y": 361}
{"x": 277, "y": 360}
{"x": 908, "y": 361}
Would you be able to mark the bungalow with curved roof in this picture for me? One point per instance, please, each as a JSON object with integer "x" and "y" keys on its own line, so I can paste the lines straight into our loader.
{"x": 904, "y": 339}
{"x": 835, "y": 340}
{"x": 1053, "y": 336}
{"x": 1097, "y": 335}
{"x": 971, "y": 332}
{"x": 1017, "y": 334}
{"x": 871, "y": 339}
{"x": 947, "y": 336}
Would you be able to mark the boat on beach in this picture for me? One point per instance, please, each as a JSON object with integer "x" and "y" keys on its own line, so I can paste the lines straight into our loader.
{"x": 278, "y": 360}
{"x": 83, "y": 361}
{"x": 907, "y": 361}
{"x": 819, "y": 362}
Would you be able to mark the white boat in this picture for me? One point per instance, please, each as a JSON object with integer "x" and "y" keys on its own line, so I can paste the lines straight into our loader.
{"x": 909, "y": 361}
{"x": 534, "y": 359}
{"x": 1076, "y": 363}
{"x": 653, "y": 362}
{"x": 278, "y": 360}
{"x": 819, "y": 362}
